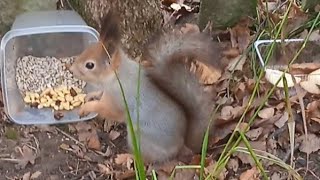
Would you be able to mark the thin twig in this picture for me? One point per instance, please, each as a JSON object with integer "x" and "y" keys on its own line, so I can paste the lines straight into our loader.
{"x": 69, "y": 136}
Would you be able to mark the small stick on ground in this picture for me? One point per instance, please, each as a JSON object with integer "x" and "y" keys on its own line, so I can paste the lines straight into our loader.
{"x": 69, "y": 136}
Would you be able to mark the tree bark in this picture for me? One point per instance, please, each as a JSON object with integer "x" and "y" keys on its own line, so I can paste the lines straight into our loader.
{"x": 139, "y": 19}
{"x": 9, "y": 9}
{"x": 225, "y": 13}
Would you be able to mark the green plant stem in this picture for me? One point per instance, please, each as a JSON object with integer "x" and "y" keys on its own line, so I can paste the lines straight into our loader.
{"x": 256, "y": 160}
{"x": 139, "y": 162}
{"x": 205, "y": 142}
{"x": 270, "y": 92}
{"x": 223, "y": 154}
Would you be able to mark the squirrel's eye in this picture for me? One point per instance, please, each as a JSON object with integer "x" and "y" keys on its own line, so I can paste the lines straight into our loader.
{"x": 89, "y": 65}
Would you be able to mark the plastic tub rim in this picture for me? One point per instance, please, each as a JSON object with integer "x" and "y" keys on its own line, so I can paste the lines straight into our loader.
{"x": 38, "y": 30}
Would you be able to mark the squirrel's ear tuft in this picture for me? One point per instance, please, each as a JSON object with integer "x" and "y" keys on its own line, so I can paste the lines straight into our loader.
{"x": 110, "y": 31}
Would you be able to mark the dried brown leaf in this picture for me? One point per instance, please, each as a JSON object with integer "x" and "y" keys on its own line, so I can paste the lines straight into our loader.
{"x": 246, "y": 158}
{"x": 223, "y": 173}
{"x": 272, "y": 76}
{"x": 254, "y": 134}
{"x": 240, "y": 35}
{"x": 276, "y": 176}
{"x": 311, "y": 144}
{"x": 251, "y": 174}
{"x": 233, "y": 164}
{"x": 26, "y": 176}
{"x": 207, "y": 75}
{"x": 282, "y": 121}
{"x": 315, "y": 35}
{"x": 114, "y": 134}
{"x": 313, "y": 110}
{"x": 296, "y": 18}
{"x": 88, "y": 135}
{"x": 266, "y": 113}
{"x": 312, "y": 83}
{"x": 78, "y": 151}
{"x": 240, "y": 91}
{"x": 304, "y": 68}
{"x": 237, "y": 63}
{"x": 26, "y": 156}
{"x": 64, "y": 146}
{"x": 124, "y": 159}
{"x": 103, "y": 169}
{"x": 226, "y": 112}
{"x": 229, "y": 112}
{"x": 35, "y": 175}
{"x": 182, "y": 174}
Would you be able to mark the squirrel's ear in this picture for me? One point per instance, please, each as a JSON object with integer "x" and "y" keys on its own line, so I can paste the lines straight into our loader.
{"x": 110, "y": 32}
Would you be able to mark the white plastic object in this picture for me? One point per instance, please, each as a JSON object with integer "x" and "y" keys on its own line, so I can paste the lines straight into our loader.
{"x": 60, "y": 33}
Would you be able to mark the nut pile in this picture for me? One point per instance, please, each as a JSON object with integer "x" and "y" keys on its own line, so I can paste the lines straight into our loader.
{"x": 34, "y": 74}
{"x": 46, "y": 82}
{"x": 60, "y": 98}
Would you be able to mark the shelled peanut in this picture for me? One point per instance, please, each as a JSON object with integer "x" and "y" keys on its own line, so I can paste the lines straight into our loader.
{"x": 61, "y": 98}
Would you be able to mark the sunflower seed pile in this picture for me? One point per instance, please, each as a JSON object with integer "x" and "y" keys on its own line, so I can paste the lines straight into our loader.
{"x": 35, "y": 74}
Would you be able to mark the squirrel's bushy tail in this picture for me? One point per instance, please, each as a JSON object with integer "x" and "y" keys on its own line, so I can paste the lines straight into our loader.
{"x": 170, "y": 55}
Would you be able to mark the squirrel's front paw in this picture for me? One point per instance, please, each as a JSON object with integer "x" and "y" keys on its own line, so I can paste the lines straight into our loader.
{"x": 83, "y": 111}
{"x": 93, "y": 96}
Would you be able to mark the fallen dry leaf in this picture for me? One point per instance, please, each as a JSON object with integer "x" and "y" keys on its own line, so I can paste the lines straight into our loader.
{"x": 182, "y": 174}
{"x": 304, "y": 68}
{"x": 251, "y": 174}
{"x": 229, "y": 112}
{"x": 26, "y": 176}
{"x": 246, "y": 158}
{"x": 313, "y": 110}
{"x": 226, "y": 112}
{"x": 103, "y": 169}
{"x": 35, "y": 175}
{"x": 223, "y": 173}
{"x": 124, "y": 159}
{"x": 240, "y": 35}
{"x": 312, "y": 144}
{"x": 26, "y": 156}
{"x": 240, "y": 91}
{"x": 273, "y": 76}
{"x": 233, "y": 164}
{"x": 266, "y": 113}
{"x": 254, "y": 134}
{"x": 206, "y": 75}
{"x": 114, "y": 134}
{"x": 276, "y": 176}
{"x": 311, "y": 85}
{"x": 88, "y": 135}
{"x": 315, "y": 35}
{"x": 282, "y": 121}
{"x": 296, "y": 18}
{"x": 237, "y": 63}
{"x": 79, "y": 152}
{"x": 64, "y": 146}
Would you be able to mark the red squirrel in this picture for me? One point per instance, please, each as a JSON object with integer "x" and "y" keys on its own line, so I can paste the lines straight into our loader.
{"x": 174, "y": 109}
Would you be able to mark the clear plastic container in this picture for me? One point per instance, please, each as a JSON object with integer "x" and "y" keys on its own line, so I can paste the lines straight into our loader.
{"x": 284, "y": 51}
{"x": 43, "y": 33}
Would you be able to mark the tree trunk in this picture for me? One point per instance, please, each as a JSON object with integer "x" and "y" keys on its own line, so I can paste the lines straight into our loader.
{"x": 139, "y": 19}
{"x": 225, "y": 13}
{"x": 9, "y": 9}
